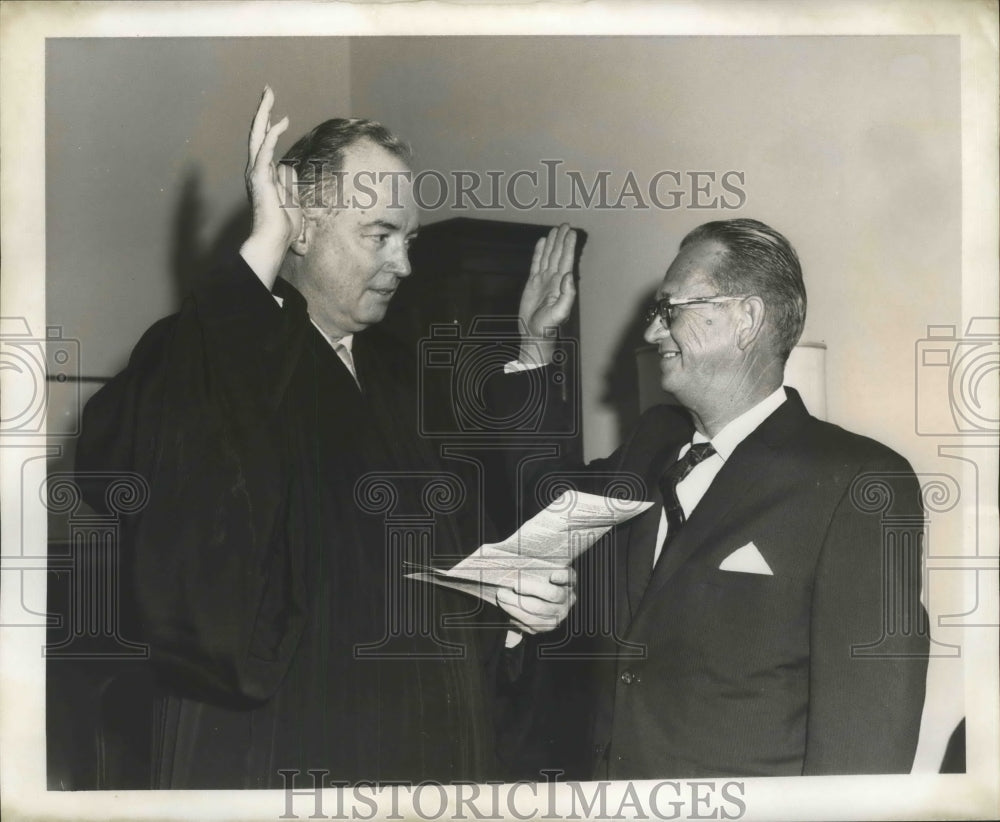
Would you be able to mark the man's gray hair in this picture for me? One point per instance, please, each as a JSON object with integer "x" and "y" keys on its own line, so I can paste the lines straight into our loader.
{"x": 759, "y": 260}
{"x": 319, "y": 155}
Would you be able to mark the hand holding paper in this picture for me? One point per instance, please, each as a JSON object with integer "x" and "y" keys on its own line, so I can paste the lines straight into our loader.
{"x": 536, "y": 605}
{"x": 528, "y": 574}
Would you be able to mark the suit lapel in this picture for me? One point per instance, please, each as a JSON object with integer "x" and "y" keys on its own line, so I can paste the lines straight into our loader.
{"x": 745, "y": 469}
{"x": 651, "y": 449}
{"x": 739, "y": 485}
{"x": 642, "y": 534}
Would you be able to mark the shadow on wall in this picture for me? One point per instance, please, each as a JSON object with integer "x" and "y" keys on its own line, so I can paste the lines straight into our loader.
{"x": 191, "y": 261}
{"x": 621, "y": 379}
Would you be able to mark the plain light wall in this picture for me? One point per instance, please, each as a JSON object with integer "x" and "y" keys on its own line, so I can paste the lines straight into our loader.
{"x": 849, "y": 146}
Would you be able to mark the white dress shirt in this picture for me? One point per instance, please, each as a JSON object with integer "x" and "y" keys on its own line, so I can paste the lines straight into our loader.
{"x": 692, "y": 488}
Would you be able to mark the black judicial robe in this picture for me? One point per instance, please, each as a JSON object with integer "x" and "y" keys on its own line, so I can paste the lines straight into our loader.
{"x": 267, "y": 578}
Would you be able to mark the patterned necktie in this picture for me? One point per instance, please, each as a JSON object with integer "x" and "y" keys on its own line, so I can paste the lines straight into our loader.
{"x": 668, "y": 487}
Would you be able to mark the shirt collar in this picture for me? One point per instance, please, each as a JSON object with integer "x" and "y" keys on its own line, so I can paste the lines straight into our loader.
{"x": 739, "y": 429}
{"x": 346, "y": 341}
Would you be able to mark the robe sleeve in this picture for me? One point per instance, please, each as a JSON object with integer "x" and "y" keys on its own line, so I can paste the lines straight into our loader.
{"x": 217, "y": 583}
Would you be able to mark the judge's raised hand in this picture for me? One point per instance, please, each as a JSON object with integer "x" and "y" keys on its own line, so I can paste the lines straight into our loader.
{"x": 536, "y": 604}
{"x": 548, "y": 295}
{"x": 277, "y": 218}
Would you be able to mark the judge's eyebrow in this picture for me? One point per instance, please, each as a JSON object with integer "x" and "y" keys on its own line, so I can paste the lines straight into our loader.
{"x": 388, "y": 225}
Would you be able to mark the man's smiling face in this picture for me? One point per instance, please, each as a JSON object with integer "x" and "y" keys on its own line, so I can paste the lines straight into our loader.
{"x": 698, "y": 354}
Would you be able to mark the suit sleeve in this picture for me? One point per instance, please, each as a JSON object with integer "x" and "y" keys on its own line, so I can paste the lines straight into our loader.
{"x": 217, "y": 584}
{"x": 869, "y": 636}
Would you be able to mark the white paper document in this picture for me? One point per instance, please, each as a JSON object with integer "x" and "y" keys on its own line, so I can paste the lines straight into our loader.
{"x": 551, "y": 539}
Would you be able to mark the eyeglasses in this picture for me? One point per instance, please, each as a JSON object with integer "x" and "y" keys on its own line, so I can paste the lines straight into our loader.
{"x": 666, "y": 309}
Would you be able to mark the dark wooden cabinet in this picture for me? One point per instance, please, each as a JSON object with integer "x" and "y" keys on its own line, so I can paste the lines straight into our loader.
{"x": 466, "y": 269}
{"x": 458, "y": 313}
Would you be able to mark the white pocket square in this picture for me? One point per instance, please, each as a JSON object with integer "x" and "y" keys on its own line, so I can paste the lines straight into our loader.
{"x": 747, "y": 560}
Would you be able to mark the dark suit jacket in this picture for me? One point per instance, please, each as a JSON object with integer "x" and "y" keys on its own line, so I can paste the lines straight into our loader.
{"x": 816, "y": 669}
{"x": 259, "y": 565}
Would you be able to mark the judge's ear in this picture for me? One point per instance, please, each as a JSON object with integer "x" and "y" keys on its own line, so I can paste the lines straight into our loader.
{"x": 300, "y": 245}
{"x": 311, "y": 224}
{"x": 751, "y": 321}
{"x": 303, "y": 216}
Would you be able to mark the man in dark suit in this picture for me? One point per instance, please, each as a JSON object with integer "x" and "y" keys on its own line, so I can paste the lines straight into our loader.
{"x": 763, "y": 617}
{"x": 277, "y": 430}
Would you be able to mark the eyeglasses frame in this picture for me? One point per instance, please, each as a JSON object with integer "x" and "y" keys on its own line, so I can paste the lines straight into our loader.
{"x": 663, "y": 306}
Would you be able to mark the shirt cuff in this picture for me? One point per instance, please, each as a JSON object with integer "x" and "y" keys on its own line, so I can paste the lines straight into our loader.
{"x": 513, "y": 639}
{"x": 516, "y": 366}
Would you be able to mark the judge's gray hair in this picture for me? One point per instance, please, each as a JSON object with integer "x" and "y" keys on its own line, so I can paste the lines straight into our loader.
{"x": 319, "y": 155}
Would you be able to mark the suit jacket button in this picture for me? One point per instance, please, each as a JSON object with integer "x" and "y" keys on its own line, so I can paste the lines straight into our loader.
{"x": 627, "y": 677}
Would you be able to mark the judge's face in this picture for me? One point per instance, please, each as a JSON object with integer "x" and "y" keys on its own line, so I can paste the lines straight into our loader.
{"x": 699, "y": 358}
{"x": 356, "y": 254}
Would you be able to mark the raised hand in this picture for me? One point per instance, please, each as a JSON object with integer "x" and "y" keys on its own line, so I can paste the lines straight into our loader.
{"x": 548, "y": 295}
{"x": 277, "y": 219}
{"x": 535, "y": 605}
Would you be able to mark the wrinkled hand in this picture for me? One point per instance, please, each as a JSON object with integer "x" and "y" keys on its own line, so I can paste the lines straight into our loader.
{"x": 536, "y": 605}
{"x": 549, "y": 293}
{"x": 277, "y": 219}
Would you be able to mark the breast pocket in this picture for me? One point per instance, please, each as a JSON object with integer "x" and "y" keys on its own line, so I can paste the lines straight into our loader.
{"x": 749, "y": 619}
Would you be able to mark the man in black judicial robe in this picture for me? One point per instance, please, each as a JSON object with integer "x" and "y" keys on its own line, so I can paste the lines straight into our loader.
{"x": 265, "y": 584}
